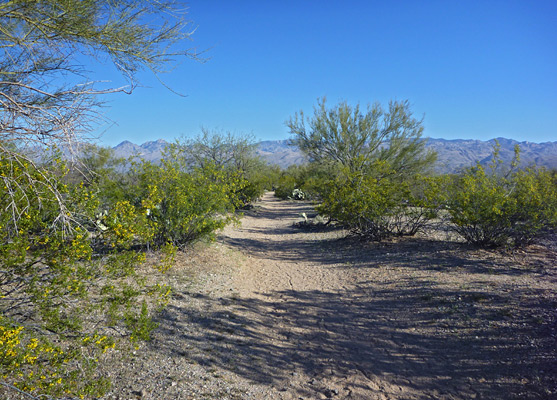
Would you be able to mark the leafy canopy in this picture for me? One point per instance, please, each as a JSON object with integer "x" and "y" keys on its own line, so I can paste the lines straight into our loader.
{"x": 46, "y": 93}
{"x": 356, "y": 139}
{"x": 373, "y": 161}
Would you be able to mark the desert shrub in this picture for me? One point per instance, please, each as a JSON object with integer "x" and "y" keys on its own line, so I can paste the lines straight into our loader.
{"x": 308, "y": 178}
{"x": 365, "y": 167}
{"x": 285, "y": 186}
{"x": 232, "y": 154}
{"x": 65, "y": 277}
{"x": 376, "y": 205}
{"x": 347, "y": 136}
{"x": 311, "y": 178}
{"x": 491, "y": 208}
{"x": 186, "y": 205}
{"x": 34, "y": 363}
{"x": 258, "y": 177}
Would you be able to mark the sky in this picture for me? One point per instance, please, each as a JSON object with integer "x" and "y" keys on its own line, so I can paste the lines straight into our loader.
{"x": 471, "y": 69}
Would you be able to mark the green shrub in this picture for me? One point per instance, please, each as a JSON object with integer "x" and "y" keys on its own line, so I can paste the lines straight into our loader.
{"x": 70, "y": 260}
{"x": 377, "y": 205}
{"x": 257, "y": 178}
{"x": 285, "y": 186}
{"x": 233, "y": 155}
{"x": 184, "y": 206}
{"x": 63, "y": 279}
{"x": 365, "y": 167}
{"x": 492, "y": 209}
{"x": 308, "y": 178}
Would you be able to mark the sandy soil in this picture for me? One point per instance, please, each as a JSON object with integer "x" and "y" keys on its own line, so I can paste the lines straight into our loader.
{"x": 275, "y": 312}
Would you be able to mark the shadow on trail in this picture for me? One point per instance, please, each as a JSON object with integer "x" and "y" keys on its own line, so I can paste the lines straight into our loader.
{"x": 283, "y": 209}
{"x": 297, "y": 244}
{"x": 440, "y": 343}
{"x": 409, "y": 334}
{"x": 352, "y": 252}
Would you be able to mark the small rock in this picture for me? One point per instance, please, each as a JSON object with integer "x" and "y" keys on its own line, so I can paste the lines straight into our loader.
{"x": 329, "y": 393}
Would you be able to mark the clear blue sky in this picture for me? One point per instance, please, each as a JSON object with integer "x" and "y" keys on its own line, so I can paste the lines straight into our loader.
{"x": 474, "y": 69}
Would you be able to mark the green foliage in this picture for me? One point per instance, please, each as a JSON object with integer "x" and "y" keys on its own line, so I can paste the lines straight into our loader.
{"x": 285, "y": 186}
{"x": 37, "y": 365}
{"x": 141, "y": 325}
{"x": 47, "y": 95}
{"x": 376, "y": 205}
{"x": 70, "y": 278}
{"x": 69, "y": 244}
{"x": 366, "y": 168}
{"x": 51, "y": 273}
{"x": 491, "y": 209}
{"x": 234, "y": 155}
{"x": 183, "y": 206}
{"x": 346, "y": 136}
{"x": 308, "y": 178}
{"x": 258, "y": 177}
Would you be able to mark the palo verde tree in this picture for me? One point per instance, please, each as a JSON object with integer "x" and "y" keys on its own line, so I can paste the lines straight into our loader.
{"x": 67, "y": 275}
{"x": 222, "y": 149}
{"x": 378, "y": 155}
{"x": 350, "y": 137}
{"x": 47, "y": 97}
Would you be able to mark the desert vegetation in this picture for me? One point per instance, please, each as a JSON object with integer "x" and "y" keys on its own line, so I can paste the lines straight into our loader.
{"x": 76, "y": 224}
{"x": 70, "y": 286}
{"x": 369, "y": 172}
{"x": 87, "y": 239}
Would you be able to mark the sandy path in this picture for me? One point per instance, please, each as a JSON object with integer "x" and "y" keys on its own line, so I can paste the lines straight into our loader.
{"x": 311, "y": 331}
{"x": 321, "y": 317}
{"x": 297, "y": 298}
{"x": 275, "y": 312}
{"x": 286, "y": 270}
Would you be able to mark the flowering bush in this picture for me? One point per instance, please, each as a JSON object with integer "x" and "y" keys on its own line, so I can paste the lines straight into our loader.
{"x": 70, "y": 255}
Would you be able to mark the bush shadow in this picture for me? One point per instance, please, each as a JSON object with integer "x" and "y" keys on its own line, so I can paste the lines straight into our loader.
{"x": 420, "y": 338}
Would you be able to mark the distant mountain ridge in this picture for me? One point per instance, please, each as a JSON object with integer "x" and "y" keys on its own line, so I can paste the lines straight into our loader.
{"x": 279, "y": 152}
{"x": 452, "y": 155}
{"x": 150, "y": 151}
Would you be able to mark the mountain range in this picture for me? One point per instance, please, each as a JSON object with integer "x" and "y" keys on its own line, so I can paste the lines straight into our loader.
{"x": 452, "y": 155}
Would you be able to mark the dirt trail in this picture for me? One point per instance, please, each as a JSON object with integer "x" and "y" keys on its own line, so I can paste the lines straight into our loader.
{"x": 319, "y": 317}
{"x": 275, "y": 312}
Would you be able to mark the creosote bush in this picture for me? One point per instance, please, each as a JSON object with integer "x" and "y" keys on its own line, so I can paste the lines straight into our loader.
{"x": 72, "y": 245}
{"x": 71, "y": 289}
{"x": 493, "y": 208}
{"x": 181, "y": 206}
{"x": 376, "y": 206}
{"x": 233, "y": 155}
{"x": 308, "y": 178}
{"x": 49, "y": 267}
